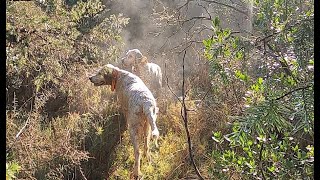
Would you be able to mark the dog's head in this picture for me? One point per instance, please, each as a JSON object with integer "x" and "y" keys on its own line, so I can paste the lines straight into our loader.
{"x": 133, "y": 56}
{"x": 106, "y": 75}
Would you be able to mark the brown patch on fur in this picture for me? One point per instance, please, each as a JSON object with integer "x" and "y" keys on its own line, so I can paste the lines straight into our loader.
{"x": 144, "y": 60}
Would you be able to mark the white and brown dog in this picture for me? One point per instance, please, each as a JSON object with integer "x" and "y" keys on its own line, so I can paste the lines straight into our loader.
{"x": 149, "y": 72}
{"x": 137, "y": 104}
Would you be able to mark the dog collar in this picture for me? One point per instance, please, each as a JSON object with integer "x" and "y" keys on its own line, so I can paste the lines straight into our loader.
{"x": 114, "y": 80}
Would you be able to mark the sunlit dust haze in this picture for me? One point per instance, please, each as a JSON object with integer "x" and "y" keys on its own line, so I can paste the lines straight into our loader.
{"x": 157, "y": 29}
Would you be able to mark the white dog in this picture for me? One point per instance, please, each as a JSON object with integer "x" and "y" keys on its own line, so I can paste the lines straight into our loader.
{"x": 137, "y": 103}
{"x": 150, "y": 73}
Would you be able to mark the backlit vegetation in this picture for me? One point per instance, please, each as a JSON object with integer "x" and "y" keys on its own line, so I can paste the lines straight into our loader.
{"x": 250, "y": 110}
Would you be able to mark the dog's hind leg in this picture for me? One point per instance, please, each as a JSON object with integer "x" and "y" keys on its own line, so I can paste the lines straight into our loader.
{"x": 151, "y": 114}
{"x": 135, "y": 141}
{"x": 147, "y": 137}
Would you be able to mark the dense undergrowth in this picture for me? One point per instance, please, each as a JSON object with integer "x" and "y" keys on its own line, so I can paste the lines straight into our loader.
{"x": 247, "y": 118}
{"x": 273, "y": 136}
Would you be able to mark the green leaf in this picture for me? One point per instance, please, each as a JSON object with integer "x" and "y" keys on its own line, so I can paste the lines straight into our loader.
{"x": 311, "y": 61}
{"x": 271, "y": 169}
{"x": 239, "y": 55}
{"x": 216, "y": 21}
{"x": 241, "y": 140}
{"x": 226, "y": 32}
{"x": 241, "y": 76}
{"x": 261, "y": 138}
{"x": 296, "y": 148}
{"x": 220, "y": 38}
{"x": 15, "y": 167}
{"x": 11, "y": 169}
{"x": 309, "y": 13}
{"x": 227, "y": 52}
{"x": 290, "y": 38}
{"x": 255, "y": 87}
{"x": 209, "y": 56}
{"x": 299, "y": 155}
{"x": 249, "y": 165}
{"x": 273, "y": 136}
{"x": 217, "y": 134}
{"x": 207, "y": 42}
{"x": 310, "y": 152}
{"x": 250, "y": 154}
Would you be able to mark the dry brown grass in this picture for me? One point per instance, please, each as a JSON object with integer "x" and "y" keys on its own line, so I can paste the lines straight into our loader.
{"x": 46, "y": 153}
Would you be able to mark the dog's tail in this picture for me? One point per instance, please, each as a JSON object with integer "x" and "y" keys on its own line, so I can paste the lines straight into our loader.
{"x": 151, "y": 113}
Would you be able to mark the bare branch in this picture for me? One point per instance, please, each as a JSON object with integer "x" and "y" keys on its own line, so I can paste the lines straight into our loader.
{"x": 228, "y": 6}
{"x": 196, "y": 17}
{"x": 185, "y": 4}
{"x": 292, "y": 91}
{"x": 287, "y": 27}
{"x": 184, "y": 116}
{"x": 205, "y": 9}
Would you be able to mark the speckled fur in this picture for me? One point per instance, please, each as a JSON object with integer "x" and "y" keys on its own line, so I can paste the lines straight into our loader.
{"x": 137, "y": 104}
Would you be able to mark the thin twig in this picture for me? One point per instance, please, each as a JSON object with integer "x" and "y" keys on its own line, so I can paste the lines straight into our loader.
{"x": 18, "y": 135}
{"x": 185, "y": 4}
{"x": 290, "y": 92}
{"x": 184, "y": 116}
{"x": 195, "y": 18}
{"x": 275, "y": 33}
{"x": 227, "y": 5}
{"x": 260, "y": 162}
{"x": 205, "y": 9}
{"x": 81, "y": 172}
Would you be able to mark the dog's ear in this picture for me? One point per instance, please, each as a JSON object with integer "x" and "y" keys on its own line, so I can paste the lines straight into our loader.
{"x": 112, "y": 76}
{"x": 106, "y": 70}
{"x": 114, "y": 70}
{"x": 144, "y": 60}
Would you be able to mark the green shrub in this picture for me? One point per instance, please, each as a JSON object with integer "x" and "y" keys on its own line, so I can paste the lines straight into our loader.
{"x": 272, "y": 137}
{"x": 11, "y": 169}
{"x": 48, "y": 60}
